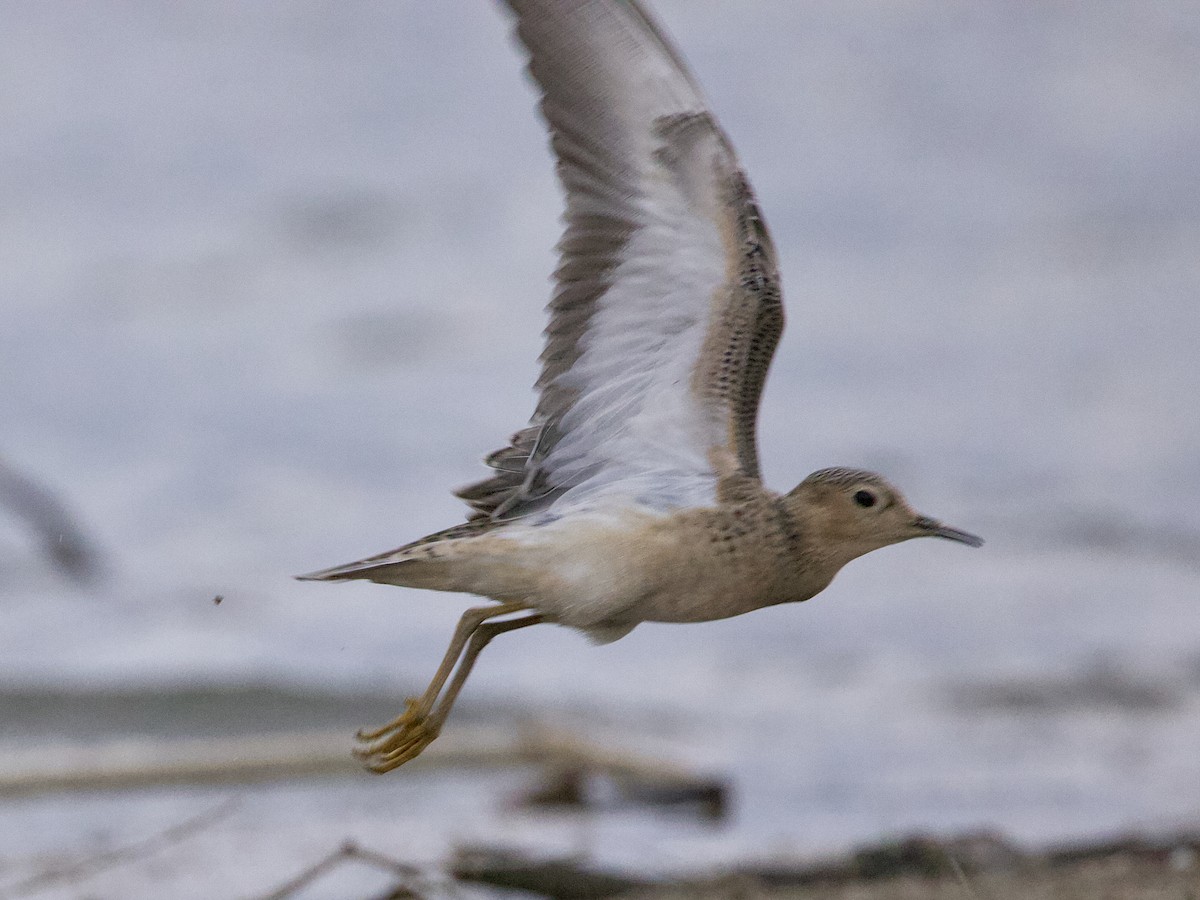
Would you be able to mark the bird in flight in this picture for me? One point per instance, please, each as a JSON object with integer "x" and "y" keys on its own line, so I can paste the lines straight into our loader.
{"x": 633, "y": 494}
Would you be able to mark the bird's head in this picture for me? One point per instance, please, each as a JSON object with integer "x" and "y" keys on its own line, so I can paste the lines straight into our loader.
{"x": 853, "y": 512}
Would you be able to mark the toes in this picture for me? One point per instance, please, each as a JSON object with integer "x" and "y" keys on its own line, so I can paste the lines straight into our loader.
{"x": 387, "y": 739}
{"x": 412, "y": 715}
{"x": 390, "y": 747}
{"x": 381, "y": 762}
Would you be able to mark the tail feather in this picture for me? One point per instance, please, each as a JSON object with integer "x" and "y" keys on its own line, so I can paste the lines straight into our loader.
{"x": 363, "y": 568}
{"x": 414, "y": 565}
{"x": 415, "y": 572}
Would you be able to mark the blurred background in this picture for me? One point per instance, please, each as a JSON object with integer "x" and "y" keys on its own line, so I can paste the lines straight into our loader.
{"x": 271, "y": 282}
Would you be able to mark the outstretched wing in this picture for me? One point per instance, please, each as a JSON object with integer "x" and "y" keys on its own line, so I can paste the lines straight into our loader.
{"x": 667, "y": 308}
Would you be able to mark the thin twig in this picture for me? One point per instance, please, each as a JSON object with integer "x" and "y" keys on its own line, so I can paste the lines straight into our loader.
{"x": 410, "y": 876}
{"x": 311, "y": 874}
{"x": 99, "y": 862}
{"x": 960, "y": 875}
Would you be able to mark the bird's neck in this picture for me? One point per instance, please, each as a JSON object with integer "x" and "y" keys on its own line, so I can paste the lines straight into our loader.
{"x": 814, "y": 552}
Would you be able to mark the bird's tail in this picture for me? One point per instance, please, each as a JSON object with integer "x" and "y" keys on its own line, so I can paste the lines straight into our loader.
{"x": 422, "y": 564}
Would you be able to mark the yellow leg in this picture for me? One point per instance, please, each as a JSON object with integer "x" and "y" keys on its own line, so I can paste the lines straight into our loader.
{"x": 412, "y": 731}
{"x": 416, "y": 707}
{"x": 420, "y": 733}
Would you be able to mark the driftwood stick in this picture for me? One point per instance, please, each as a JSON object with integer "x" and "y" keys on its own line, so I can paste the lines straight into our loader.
{"x": 129, "y": 763}
{"x": 563, "y": 879}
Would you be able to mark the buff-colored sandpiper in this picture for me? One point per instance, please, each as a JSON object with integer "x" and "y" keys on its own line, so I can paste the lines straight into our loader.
{"x": 634, "y": 493}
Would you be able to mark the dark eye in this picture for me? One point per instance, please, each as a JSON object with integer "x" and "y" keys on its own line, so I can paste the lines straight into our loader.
{"x": 865, "y": 499}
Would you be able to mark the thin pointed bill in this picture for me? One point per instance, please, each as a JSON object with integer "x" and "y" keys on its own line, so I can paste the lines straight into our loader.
{"x": 933, "y": 528}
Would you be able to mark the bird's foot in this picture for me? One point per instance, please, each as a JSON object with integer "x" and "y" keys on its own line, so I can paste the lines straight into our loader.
{"x": 398, "y": 741}
{"x": 412, "y": 713}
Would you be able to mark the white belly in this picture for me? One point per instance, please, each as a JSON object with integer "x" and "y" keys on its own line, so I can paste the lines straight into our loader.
{"x": 605, "y": 574}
